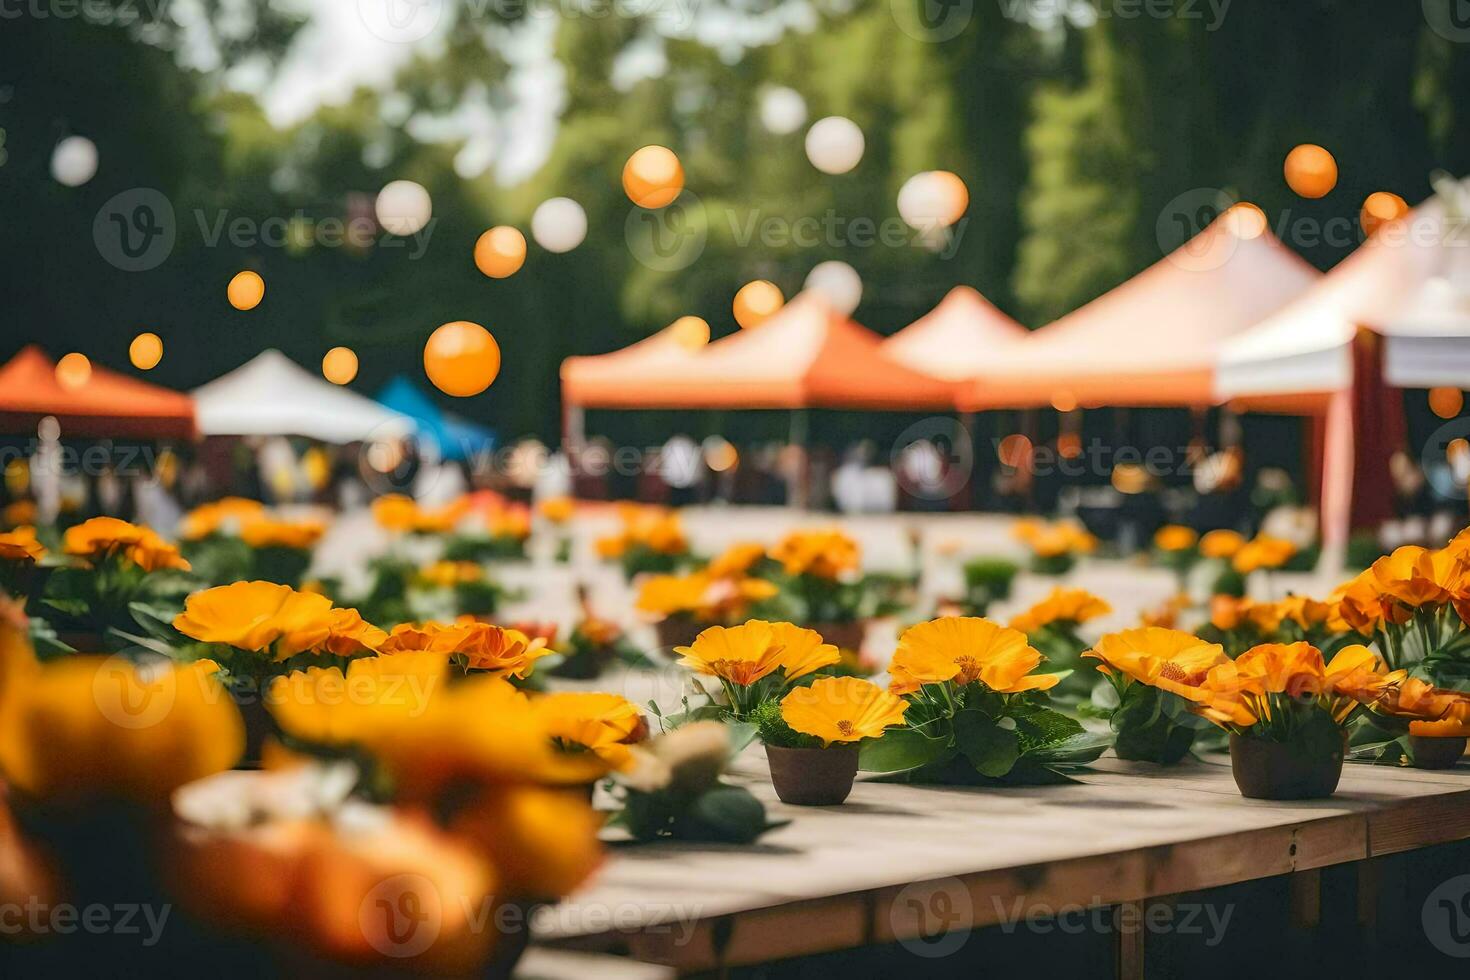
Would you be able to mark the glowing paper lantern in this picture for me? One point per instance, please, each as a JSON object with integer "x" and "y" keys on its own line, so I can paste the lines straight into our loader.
{"x": 933, "y": 199}
{"x": 73, "y": 371}
{"x": 1446, "y": 402}
{"x": 690, "y": 332}
{"x": 245, "y": 290}
{"x": 403, "y": 207}
{"x": 653, "y": 177}
{"x": 756, "y": 301}
{"x": 1310, "y": 170}
{"x": 834, "y": 145}
{"x": 339, "y": 365}
{"x": 500, "y": 252}
{"x": 1246, "y": 221}
{"x": 146, "y": 351}
{"x": 559, "y": 224}
{"x": 839, "y": 283}
{"x": 74, "y": 161}
{"x": 783, "y": 110}
{"x": 461, "y": 358}
{"x": 1380, "y": 208}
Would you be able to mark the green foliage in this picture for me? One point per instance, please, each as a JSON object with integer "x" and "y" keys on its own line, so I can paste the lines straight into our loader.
{"x": 988, "y": 580}
{"x": 1152, "y": 725}
{"x": 773, "y": 730}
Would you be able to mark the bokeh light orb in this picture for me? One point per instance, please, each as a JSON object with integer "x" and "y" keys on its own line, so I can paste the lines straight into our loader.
{"x": 146, "y": 351}
{"x": 719, "y": 454}
{"x": 74, "y": 161}
{"x": 1015, "y": 451}
{"x": 1311, "y": 170}
{"x": 834, "y": 145}
{"x": 1446, "y": 402}
{"x": 461, "y": 358}
{"x": 73, "y": 371}
{"x": 1246, "y": 221}
{"x": 690, "y": 332}
{"x": 1380, "y": 208}
{"x": 756, "y": 301}
{"x": 500, "y": 252}
{"x": 782, "y": 110}
{"x": 339, "y": 365}
{"x": 838, "y": 283}
{"x": 245, "y": 290}
{"x": 653, "y": 177}
{"x": 403, "y": 207}
{"x": 559, "y": 224}
{"x": 933, "y": 199}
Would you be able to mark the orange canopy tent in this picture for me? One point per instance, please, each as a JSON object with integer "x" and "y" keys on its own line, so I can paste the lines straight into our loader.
{"x": 604, "y": 379}
{"x": 955, "y": 340}
{"x": 1156, "y": 339}
{"x": 104, "y": 404}
{"x": 805, "y": 356}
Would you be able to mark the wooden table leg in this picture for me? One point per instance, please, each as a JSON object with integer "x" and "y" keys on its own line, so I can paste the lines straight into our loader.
{"x": 1128, "y": 936}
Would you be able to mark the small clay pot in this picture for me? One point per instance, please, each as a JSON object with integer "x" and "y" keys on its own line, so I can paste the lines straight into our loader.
{"x": 677, "y": 632}
{"x": 813, "y": 777}
{"x": 844, "y": 636}
{"x": 1436, "y": 752}
{"x": 1267, "y": 770}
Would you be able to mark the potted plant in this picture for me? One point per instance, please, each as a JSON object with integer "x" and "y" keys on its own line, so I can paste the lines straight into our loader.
{"x": 987, "y": 580}
{"x": 683, "y": 606}
{"x": 755, "y": 662}
{"x": 1051, "y": 627}
{"x": 1176, "y": 548}
{"x": 1286, "y": 713}
{"x": 1157, "y": 675}
{"x": 813, "y": 736}
{"x": 1429, "y": 725}
{"x": 820, "y": 584}
{"x": 977, "y": 711}
{"x": 1055, "y": 547}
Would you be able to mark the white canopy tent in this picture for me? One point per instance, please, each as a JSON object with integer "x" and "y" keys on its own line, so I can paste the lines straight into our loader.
{"x": 272, "y": 395}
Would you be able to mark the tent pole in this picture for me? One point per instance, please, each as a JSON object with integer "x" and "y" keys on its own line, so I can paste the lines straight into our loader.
{"x": 801, "y": 497}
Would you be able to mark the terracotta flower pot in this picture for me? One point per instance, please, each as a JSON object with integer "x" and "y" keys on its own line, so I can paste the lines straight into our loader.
{"x": 813, "y": 777}
{"x": 1267, "y": 770}
{"x": 1436, "y": 753}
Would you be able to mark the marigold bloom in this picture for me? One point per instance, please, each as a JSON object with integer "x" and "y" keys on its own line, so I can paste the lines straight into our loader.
{"x": 1061, "y": 605}
{"x": 604, "y": 724}
{"x": 447, "y": 574}
{"x": 1222, "y": 543}
{"x": 826, "y": 553}
{"x": 20, "y": 545}
{"x": 745, "y": 654}
{"x": 842, "y": 709}
{"x": 557, "y": 510}
{"x": 1175, "y": 537}
{"x": 102, "y": 536}
{"x": 736, "y": 560}
{"x": 542, "y": 842}
{"x": 1170, "y": 660}
{"x": 1263, "y": 552}
{"x": 267, "y": 532}
{"x": 482, "y": 647}
{"x": 1419, "y": 577}
{"x": 225, "y": 514}
{"x": 259, "y": 615}
{"x": 965, "y": 649}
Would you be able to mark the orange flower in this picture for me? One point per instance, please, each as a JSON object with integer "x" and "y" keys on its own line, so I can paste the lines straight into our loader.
{"x": 510, "y": 522}
{"x": 1061, "y": 605}
{"x": 743, "y": 655}
{"x": 701, "y": 596}
{"x": 1064, "y": 538}
{"x": 1303, "y": 611}
{"x": 1170, "y": 660}
{"x": 557, "y": 510}
{"x": 142, "y": 546}
{"x": 1263, "y": 552}
{"x": 1175, "y": 537}
{"x": 1418, "y": 577}
{"x": 736, "y": 560}
{"x": 1221, "y": 544}
{"x": 21, "y": 545}
{"x": 447, "y": 574}
{"x": 827, "y": 553}
{"x": 604, "y": 724}
{"x": 267, "y": 532}
{"x": 225, "y": 514}
{"x": 263, "y": 615}
{"x": 966, "y": 649}
{"x": 482, "y": 647}
{"x": 1227, "y": 612}
{"x": 842, "y": 709}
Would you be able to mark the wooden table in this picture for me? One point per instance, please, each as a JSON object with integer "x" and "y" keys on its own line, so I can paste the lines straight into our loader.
{"x": 900, "y": 862}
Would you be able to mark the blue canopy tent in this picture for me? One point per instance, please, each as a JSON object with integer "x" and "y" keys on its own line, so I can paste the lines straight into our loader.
{"x": 454, "y": 437}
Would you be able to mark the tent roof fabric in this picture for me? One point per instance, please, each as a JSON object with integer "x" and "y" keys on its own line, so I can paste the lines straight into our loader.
{"x": 604, "y": 380}
{"x": 453, "y": 438}
{"x": 1303, "y": 348}
{"x": 805, "y": 356}
{"x": 271, "y": 395}
{"x": 1154, "y": 340}
{"x": 955, "y": 340}
{"x": 108, "y": 404}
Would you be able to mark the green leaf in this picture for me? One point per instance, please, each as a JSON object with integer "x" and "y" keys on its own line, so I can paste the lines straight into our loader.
{"x": 991, "y": 749}
{"x": 1078, "y": 750}
{"x": 899, "y": 750}
{"x": 727, "y": 814}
